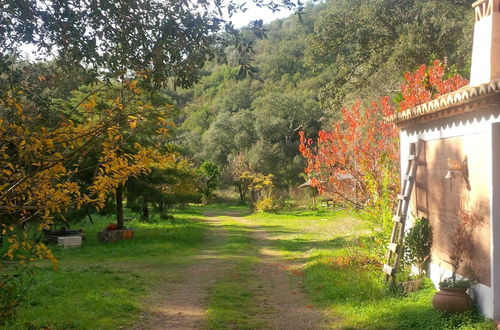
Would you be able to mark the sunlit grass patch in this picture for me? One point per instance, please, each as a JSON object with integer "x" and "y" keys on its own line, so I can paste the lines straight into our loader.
{"x": 103, "y": 286}
{"x": 232, "y": 302}
{"x": 94, "y": 297}
{"x": 341, "y": 267}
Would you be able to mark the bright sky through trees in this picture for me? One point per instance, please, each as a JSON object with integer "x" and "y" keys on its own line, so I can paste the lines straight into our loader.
{"x": 254, "y": 13}
{"x": 240, "y": 19}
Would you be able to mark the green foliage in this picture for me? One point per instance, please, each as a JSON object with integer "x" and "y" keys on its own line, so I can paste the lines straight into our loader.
{"x": 381, "y": 205}
{"x": 418, "y": 242}
{"x": 268, "y": 204}
{"x": 468, "y": 320}
{"x": 306, "y": 69}
{"x": 363, "y": 43}
{"x": 14, "y": 285}
{"x": 163, "y": 42}
{"x": 209, "y": 173}
{"x": 453, "y": 283}
{"x": 163, "y": 188}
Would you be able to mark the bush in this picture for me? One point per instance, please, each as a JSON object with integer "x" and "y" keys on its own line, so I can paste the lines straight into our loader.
{"x": 381, "y": 204}
{"x": 450, "y": 283}
{"x": 13, "y": 288}
{"x": 268, "y": 204}
{"x": 418, "y": 242}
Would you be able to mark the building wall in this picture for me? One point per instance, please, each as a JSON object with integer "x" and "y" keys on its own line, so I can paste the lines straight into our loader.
{"x": 444, "y": 197}
{"x": 448, "y": 142}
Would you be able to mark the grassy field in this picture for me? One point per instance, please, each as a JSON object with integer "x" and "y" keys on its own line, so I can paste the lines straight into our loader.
{"x": 232, "y": 302}
{"x": 338, "y": 256}
{"x": 106, "y": 286}
{"x": 103, "y": 286}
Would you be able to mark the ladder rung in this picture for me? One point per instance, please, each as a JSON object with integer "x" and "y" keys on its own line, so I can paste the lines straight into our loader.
{"x": 411, "y": 157}
{"x": 397, "y": 218}
{"x": 393, "y": 247}
{"x": 403, "y": 197}
{"x": 388, "y": 270}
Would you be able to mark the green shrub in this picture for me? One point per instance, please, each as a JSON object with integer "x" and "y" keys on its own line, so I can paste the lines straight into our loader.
{"x": 13, "y": 287}
{"x": 380, "y": 207}
{"x": 466, "y": 320}
{"x": 289, "y": 205}
{"x": 450, "y": 283}
{"x": 418, "y": 242}
{"x": 268, "y": 204}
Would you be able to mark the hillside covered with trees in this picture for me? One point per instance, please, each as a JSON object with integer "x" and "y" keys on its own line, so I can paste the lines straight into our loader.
{"x": 305, "y": 70}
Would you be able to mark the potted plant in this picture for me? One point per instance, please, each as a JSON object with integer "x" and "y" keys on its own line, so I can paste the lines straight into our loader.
{"x": 452, "y": 295}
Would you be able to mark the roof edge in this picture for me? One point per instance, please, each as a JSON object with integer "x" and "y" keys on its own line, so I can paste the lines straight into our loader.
{"x": 461, "y": 96}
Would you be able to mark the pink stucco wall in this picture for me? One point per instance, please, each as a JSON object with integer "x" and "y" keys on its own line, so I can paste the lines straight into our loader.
{"x": 438, "y": 199}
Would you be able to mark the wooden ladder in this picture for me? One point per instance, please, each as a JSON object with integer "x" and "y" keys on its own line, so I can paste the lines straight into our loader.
{"x": 395, "y": 248}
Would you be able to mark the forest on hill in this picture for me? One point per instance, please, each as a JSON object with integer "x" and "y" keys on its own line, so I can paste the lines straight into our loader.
{"x": 304, "y": 70}
{"x": 167, "y": 128}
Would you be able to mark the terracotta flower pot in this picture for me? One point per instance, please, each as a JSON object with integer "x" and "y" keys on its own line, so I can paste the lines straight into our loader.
{"x": 127, "y": 233}
{"x": 453, "y": 300}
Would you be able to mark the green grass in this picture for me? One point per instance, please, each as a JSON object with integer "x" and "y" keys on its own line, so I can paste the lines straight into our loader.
{"x": 339, "y": 254}
{"x": 103, "y": 286}
{"x": 232, "y": 303}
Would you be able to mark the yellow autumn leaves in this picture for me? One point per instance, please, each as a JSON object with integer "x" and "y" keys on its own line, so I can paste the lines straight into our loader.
{"x": 42, "y": 164}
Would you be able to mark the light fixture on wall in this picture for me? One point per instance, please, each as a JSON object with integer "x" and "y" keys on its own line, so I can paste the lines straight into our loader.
{"x": 457, "y": 168}
{"x": 450, "y": 174}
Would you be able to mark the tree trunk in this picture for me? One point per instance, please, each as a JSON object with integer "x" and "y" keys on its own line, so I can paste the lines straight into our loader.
{"x": 145, "y": 209}
{"x": 119, "y": 207}
{"x": 89, "y": 215}
{"x": 242, "y": 193}
{"x": 161, "y": 206}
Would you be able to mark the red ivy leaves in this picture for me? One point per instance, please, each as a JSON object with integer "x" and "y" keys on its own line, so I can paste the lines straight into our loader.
{"x": 354, "y": 145}
{"x": 428, "y": 83}
{"x": 361, "y": 142}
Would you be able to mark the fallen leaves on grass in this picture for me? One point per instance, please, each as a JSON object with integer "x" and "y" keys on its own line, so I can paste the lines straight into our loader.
{"x": 297, "y": 272}
{"x": 343, "y": 262}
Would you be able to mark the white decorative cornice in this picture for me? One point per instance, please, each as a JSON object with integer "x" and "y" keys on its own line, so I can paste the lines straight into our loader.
{"x": 462, "y": 96}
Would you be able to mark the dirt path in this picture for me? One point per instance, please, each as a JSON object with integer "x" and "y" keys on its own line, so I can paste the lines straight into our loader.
{"x": 281, "y": 295}
{"x": 182, "y": 304}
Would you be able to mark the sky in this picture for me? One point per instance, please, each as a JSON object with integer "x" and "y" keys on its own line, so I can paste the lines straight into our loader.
{"x": 254, "y": 13}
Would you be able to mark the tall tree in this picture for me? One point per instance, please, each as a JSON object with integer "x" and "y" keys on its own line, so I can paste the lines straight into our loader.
{"x": 355, "y": 40}
{"x": 160, "y": 40}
